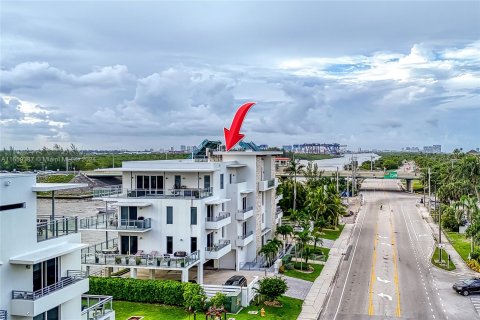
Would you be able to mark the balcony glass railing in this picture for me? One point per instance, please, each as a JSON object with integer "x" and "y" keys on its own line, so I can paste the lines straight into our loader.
{"x": 110, "y": 221}
{"x": 218, "y": 246}
{"x": 243, "y": 210}
{"x": 190, "y": 193}
{"x": 107, "y": 191}
{"x": 151, "y": 260}
{"x": 221, "y": 216}
{"x": 56, "y": 228}
{"x": 3, "y": 315}
{"x": 110, "y": 246}
{"x": 95, "y": 307}
{"x": 72, "y": 277}
{"x": 243, "y": 237}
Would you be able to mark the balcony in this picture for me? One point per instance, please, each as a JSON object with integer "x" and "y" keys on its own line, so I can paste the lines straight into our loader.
{"x": 56, "y": 228}
{"x": 218, "y": 250}
{"x": 217, "y": 222}
{"x": 278, "y": 216}
{"x": 278, "y": 197}
{"x": 3, "y": 315}
{"x": 267, "y": 184}
{"x": 182, "y": 193}
{"x": 244, "y": 240}
{"x": 96, "y": 307}
{"x": 109, "y": 221}
{"x": 26, "y": 303}
{"x": 109, "y": 257}
{"x": 244, "y": 214}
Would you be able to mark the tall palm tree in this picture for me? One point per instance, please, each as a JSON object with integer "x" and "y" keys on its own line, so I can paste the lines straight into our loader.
{"x": 302, "y": 238}
{"x": 285, "y": 230}
{"x": 294, "y": 168}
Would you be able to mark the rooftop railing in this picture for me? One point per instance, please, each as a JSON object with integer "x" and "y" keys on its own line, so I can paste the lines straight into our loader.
{"x": 95, "y": 306}
{"x": 182, "y": 193}
{"x": 218, "y": 246}
{"x": 110, "y": 246}
{"x": 110, "y": 221}
{"x": 221, "y": 216}
{"x": 243, "y": 237}
{"x": 72, "y": 277}
{"x": 56, "y": 228}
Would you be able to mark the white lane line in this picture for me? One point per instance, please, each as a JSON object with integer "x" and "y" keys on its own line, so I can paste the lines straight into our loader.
{"x": 350, "y": 267}
{"x": 382, "y": 280}
{"x": 383, "y": 295}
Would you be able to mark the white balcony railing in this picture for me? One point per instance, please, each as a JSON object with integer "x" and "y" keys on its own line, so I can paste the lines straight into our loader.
{"x": 245, "y": 239}
{"x": 219, "y": 221}
{"x": 244, "y": 214}
{"x": 218, "y": 250}
{"x": 267, "y": 184}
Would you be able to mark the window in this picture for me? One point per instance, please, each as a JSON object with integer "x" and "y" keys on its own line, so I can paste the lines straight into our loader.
{"x": 51, "y": 314}
{"x": 193, "y": 244}
{"x": 206, "y": 182}
{"x": 169, "y": 215}
{"x": 169, "y": 244}
{"x": 46, "y": 273}
{"x": 230, "y": 178}
{"x": 178, "y": 182}
{"x": 263, "y": 198}
{"x": 129, "y": 244}
{"x": 193, "y": 216}
{"x": 128, "y": 216}
{"x": 221, "y": 180}
{"x": 223, "y": 232}
{"x": 12, "y": 206}
{"x": 244, "y": 203}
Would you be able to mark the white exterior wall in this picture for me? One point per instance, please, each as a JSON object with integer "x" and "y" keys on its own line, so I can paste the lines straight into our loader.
{"x": 18, "y": 236}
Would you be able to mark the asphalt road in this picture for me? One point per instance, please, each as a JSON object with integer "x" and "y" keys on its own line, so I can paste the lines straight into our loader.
{"x": 387, "y": 273}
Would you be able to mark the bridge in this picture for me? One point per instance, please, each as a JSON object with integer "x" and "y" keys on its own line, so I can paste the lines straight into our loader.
{"x": 407, "y": 176}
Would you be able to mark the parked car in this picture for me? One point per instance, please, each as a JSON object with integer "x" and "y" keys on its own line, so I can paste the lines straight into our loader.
{"x": 468, "y": 286}
{"x": 240, "y": 281}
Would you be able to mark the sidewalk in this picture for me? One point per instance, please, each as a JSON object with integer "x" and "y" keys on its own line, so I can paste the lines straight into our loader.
{"x": 315, "y": 299}
{"x": 461, "y": 266}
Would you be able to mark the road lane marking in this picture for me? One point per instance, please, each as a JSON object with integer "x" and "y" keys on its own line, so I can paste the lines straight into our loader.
{"x": 351, "y": 262}
{"x": 384, "y": 281}
{"x": 383, "y": 295}
{"x": 387, "y": 244}
{"x": 371, "y": 308}
{"x": 395, "y": 265}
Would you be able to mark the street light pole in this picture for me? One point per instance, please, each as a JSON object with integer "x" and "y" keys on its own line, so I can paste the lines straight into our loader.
{"x": 429, "y": 192}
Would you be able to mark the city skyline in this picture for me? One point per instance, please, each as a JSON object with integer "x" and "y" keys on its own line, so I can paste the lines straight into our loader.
{"x": 153, "y": 75}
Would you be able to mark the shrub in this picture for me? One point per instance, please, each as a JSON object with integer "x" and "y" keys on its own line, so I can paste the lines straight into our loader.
{"x": 194, "y": 297}
{"x": 301, "y": 266}
{"x": 474, "y": 265}
{"x": 272, "y": 287}
{"x": 475, "y": 255}
{"x": 218, "y": 300}
{"x": 281, "y": 269}
{"x": 167, "y": 292}
{"x": 289, "y": 266}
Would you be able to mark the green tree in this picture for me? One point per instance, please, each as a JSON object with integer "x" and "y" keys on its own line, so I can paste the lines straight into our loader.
{"x": 294, "y": 168}
{"x": 272, "y": 287}
{"x": 218, "y": 300}
{"x": 194, "y": 298}
{"x": 284, "y": 230}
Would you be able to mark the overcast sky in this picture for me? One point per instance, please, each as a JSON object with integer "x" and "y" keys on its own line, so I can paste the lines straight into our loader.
{"x": 138, "y": 75}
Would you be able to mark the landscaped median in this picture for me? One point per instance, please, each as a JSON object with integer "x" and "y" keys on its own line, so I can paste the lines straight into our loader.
{"x": 445, "y": 263}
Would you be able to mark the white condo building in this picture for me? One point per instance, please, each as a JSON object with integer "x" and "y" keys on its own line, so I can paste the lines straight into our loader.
{"x": 186, "y": 215}
{"x": 40, "y": 269}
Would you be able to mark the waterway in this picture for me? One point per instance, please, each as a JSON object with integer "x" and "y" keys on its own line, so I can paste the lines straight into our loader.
{"x": 334, "y": 163}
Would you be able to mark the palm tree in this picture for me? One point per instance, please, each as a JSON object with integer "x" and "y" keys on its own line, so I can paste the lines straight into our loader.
{"x": 294, "y": 167}
{"x": 303, "y": 238}
{"x": 270, "y": 249}
{"x": 285, "y": 230}
{"x": 317, "y": 238}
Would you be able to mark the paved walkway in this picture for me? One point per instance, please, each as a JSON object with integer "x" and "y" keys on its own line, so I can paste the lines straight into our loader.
{"x": 297, "y": 288}
{"x": 315, "y": 298}
{"x": 461, "y": 266}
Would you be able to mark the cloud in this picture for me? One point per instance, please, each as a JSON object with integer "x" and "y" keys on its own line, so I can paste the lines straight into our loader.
{"x": 10, "y": 110}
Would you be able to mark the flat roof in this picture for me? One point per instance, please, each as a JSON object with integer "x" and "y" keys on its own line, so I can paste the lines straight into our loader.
{"x": 57, "y": 186}
{"x": 47, "y": 253}
{"x": 216, "y": 201}
{"x": 164, "y": 165}
{"x": 248, "y": 153}
{"x": 132, "y": 204}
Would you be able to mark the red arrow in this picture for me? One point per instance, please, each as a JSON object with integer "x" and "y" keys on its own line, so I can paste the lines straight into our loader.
{"x": 233, "y": 136}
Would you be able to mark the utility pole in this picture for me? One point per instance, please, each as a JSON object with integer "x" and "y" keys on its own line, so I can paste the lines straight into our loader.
{"x": 337, "y": 179}
{"x": 371, "y": 163}
{"x": 439, "y": 225}
{"x": 429, "y": 192}
{"x": 294, "y": 182}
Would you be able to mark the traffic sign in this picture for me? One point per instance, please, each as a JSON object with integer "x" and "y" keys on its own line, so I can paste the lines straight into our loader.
{"x": 391, "y": 175}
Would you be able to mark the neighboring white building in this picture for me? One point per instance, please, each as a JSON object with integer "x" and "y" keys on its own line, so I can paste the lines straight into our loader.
{"x": 40, "y": 269}
{"x": 182, "y": 214}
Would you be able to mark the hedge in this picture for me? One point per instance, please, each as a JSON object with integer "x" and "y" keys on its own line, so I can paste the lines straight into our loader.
{"x": 167, "y": 292}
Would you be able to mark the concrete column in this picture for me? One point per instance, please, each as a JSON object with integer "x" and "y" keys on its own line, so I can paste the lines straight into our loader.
{"x": 133, "y": 273}
{"x": 152, "y": 273}
{"x": 87, "y": 269}
{"x": 108, "y": 271}
{"x": 185, "y": 275}
{"x": 409, "y": 185}
{"x": 200, "y": 273}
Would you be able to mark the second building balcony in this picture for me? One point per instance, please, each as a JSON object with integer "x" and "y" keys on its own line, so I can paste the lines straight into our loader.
{"x": 218, "y": 250}
{"x": 245, "y": 239}
{"x": 217, "y": 222}
{"x": 244, "y": 214}
{"x": 109, "y": 221}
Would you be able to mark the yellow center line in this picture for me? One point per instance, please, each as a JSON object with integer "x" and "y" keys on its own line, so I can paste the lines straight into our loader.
{"x": 398, "y": 310}
{"x": 371, "y": 308}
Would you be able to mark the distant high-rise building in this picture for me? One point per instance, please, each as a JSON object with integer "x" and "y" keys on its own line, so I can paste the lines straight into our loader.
{"x": 287, "y": 147}
{"x": 183, "y": 148}
{"x": 436, "y": 148}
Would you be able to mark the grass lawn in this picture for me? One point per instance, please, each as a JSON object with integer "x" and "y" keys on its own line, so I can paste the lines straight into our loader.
{"x": 325, "y": 251}
{"x": 290, "y": 310}
{"x": 460, "y": 243}
{"x": 444, "y": 265}
{"x": 332, "y": 234}
{"x": 305, "y": 276}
